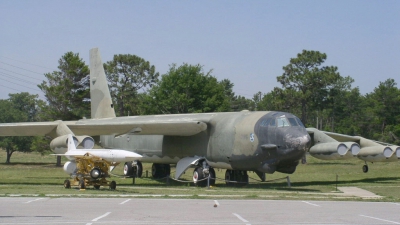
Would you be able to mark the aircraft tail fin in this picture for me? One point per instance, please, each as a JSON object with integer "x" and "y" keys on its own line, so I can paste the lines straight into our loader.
{"x": 101, "y": 103}
{"x": 71, "y": 143}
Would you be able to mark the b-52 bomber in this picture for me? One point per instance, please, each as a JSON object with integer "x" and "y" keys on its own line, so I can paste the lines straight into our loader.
{"x": 261, "y": 141}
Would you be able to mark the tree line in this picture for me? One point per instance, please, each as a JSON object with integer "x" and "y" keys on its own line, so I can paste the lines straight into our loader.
{"x": 316, "y": 93}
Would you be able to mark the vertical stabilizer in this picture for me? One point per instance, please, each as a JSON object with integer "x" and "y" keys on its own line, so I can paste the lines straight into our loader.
{"x": 101, "y": 103}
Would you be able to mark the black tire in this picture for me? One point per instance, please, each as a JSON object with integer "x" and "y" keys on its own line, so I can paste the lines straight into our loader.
{"x": 212, "y": 176}
{"x": 128, "y": 171}
{"x": 155, "y": 170}
{"x": 113, "y": 185}
{"x": 365, "y": 168}
{"x": 67, "y": 184}
{"x": 242, "y": 178}
{"x": 198, "y": 177}
{"x": 139, "y": 169}
{"x": 160, "y": 170}
{"x": 82, "y": 184}
{"x": 229, "y": 177}
{"x": 96, "y": 186}
{"x": 167, "y": 170}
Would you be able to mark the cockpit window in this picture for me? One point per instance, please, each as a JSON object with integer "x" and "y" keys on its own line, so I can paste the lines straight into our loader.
{"x": 272, "y": 123}
{"x": 293, "y": 122}
{"x": 265, "y": 123}
{"x": 282, "y": 122}
{"x": 300, "y": 123}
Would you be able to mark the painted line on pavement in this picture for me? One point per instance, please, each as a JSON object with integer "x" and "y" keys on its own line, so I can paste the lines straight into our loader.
{"x": 380, "y": 219}
{"x": 310, "y": 203}
{"x": 125, "y": 201}
{"x": 241, "y": 218}
{"x": 34, "y": 200}
{"x": 100, "y": 217}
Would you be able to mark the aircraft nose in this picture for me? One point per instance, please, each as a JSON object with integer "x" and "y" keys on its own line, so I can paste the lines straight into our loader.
{"x": 298, "y": 141}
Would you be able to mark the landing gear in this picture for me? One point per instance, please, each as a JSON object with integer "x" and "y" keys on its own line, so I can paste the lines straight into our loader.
{"x": 129, "y": 168}
{"x": 67, "y": 184}
{"x": 160, "y": 170}
{"x": 200, "y": 176}
{"x": 236, "y": 178}
{"x": 365, "y": 168}
{"x": 261, "y": 175}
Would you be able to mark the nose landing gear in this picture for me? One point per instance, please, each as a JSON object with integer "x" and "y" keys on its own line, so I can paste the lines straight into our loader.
{"x": 200, "y": 176}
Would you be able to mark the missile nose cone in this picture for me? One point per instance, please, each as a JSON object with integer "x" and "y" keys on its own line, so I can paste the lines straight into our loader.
{"x": 132, "y": 155}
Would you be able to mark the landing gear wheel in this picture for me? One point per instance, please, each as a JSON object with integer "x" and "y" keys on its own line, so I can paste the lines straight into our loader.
{"x": 82, "y": 184}
{"x": 198, "y": 177}
{"x": 128, "y": 169}
{"x": 365, "y": 168}
{"x": 160, "y": 170}
{"x": 67, "y": 184}
{"x": 139, "y": 169}
{"x": 228, "y": 177}
{"x": 96, "y": 186}
{"x": 241, "y": 177}
{"x": 155, "y": 170}
{"x": 113, "y": 185}
{"x": 212, "y": 176}
{"x": 236, "y": 178}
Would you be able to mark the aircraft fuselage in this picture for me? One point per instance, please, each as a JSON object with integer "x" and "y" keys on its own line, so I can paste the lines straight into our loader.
{"x": 251, "y": 141}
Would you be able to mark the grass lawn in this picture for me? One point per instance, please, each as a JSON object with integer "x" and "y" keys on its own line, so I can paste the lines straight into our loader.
{"x": 31, "y": 173}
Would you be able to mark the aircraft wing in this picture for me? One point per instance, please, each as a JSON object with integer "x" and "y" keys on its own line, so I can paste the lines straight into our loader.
{"x": 342, "y": 137}
{"x": 106, "y": 127}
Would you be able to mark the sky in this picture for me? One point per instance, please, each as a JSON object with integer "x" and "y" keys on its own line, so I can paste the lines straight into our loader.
{"x": 247, "y": 42}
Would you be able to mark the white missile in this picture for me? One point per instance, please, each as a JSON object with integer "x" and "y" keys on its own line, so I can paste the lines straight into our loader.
{"x": 111, "y": 155}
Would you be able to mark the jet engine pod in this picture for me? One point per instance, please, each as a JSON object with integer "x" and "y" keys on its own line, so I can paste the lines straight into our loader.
{"x": 334, "y": 150}
{"x": 378, "y": 153}
{"x": 85, "y": 141}
{"x": 70, "y": 167}
{"x": 59, "y": 145}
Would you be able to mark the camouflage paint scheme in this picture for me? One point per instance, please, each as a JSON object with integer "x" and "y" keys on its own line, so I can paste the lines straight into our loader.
{"x": 231, "y": 141}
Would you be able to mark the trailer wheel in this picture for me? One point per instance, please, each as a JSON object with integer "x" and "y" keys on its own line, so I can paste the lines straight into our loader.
{"x": 67, "y": 184}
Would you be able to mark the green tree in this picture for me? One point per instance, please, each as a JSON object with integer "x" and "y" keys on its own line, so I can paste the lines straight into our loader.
{"x": 127, "y": 74}
{"x": 21, "y": 107}
{"x": 186, "y": 89}
{"x": 10, "y": 114}
{"x": 312, "y": 81}
{"x": 280, "y": 100}
{"x": 384, "y": 105}
{"x": 67, "y": 90}
{"x": 31, "y": 105}
{"x": 237, "y": 102}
